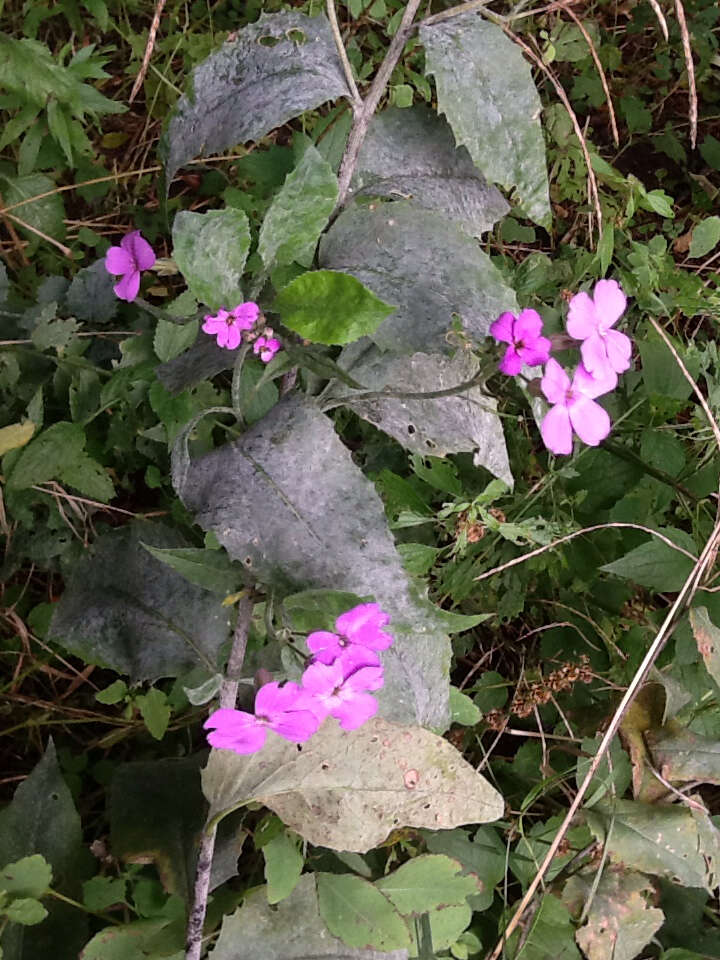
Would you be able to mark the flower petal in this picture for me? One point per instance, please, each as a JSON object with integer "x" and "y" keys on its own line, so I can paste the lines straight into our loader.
{"x": 590, "y": 422}
{"x": 246, "y": 314}
{"x": 536, "y": 353}
{"x": 582, "y": 320}
{"x": 273, "y": 698}
{"x": 556, "y": 430}
{"x": 234, "y": 336}
{"x": 129, "y": 287}
{"x": 222, "y": 335}
{"x": 139, "y": 249}
{"x": 528, "y": 326}
{"x": 320, "y": 679}
{"x": 593, "y": 385}
{"x": 555, "y": 382}
{"x": 324, "y": 645}
{"x": 247, "y": 740}
{"x": 594, "y": 355}
{"x": 213, "y": 325}
{"x": 511, "y": 363}
{"x": 296, "y": 725}
{"x": 502, "y": 328}
{"x": 355, "y": 712}
{"x": 610, "y": 303}
{"x": 366, "y": 678}
{"x": 118, "y": 261}
{"x": 619, "y": 350}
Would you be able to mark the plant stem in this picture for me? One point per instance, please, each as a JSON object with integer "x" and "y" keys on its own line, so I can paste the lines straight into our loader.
{"x": 228, "y": 697}
{"x": 356, "y": 101}
{"x": 235, "y": 390}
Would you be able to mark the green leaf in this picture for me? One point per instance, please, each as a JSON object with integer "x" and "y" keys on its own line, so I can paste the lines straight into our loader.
{"x": 292, "y": 930}
{"x": 318, "y": 609}
{"x": 431, "y": 269}
{"x": 329, "y": 307}
{"x": 656, "y": 565}
{"x": 91, "y": 296}
{"x": 348, "y": 790}
{"x": 484, "y": 857}
{"x": 16, "y": 435}
{"x": 28, "y": 877}
{"x": 123, "y": 609}
{"x": 211, "y": 249}
{"x": 681, "y": 755}
{"x": 358, "y": 914}
{"x": 426, "y": 883}
{"x": 171, "y": 339}
{"x": 112, "y": 694}
{"x": 47, "y": 455}
{"x": 155, "y": 712}
{"x": 137, "y": 939}
{"x": 661, "y": 372}
{"x": 412, "y": 153}
{"x": 486, "y": 90}
{"x": 287, "y": 501}
{"x": 710, "y": 151}
{"x": 54, "y": 334}
{"x": 463, "y": 709}
{"x": 283, "y": 865}
{"x": 48, "y": 214}
{"x": 210, "y": 569}
{"x": 26, "y": 911}
{"x": 447, "y": 925}
{"x": 270, "y": 71}
{"x": 42, "y": 819}
{"x": 87, "y": 476}
{"x": 705, "y": 236}
{"x": 707, "y": 637}
{"x": 549, "y": 934}
{"x": 299, "y": 212}
{"x": 99, "y": 893}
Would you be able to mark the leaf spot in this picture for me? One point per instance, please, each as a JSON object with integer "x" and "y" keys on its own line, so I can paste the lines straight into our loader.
{"x": 411, "y": 779}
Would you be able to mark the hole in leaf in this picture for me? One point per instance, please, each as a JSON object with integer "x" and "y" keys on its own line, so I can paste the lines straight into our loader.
{"x": 410, "y": 429}
{"x": 324, "y": 766}
{"x": 268, "y": 41}
{"x": 431, "y": 444}
{"x": 248, "y": 561}
{"x": 296, "y": 36}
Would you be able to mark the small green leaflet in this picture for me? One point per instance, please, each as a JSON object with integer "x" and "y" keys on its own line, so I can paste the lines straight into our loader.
{"x": 705, "y": 236}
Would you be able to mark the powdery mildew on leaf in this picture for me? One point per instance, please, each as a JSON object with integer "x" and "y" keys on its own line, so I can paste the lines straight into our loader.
{"x": 347, "y": 791}
{"x": 287, "y": 501}
{"x": 486, "y": 90}
{"x": 292, "y": 930}
{"x": 466, "y": 422}
{"x": 273, "y": 70}
{"x": 411, "y": 154}
{"x": 210, "y": 249}
{"x": 427, "y": 267}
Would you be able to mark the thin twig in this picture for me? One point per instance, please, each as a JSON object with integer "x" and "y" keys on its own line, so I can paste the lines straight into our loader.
{"x": 66, "y": 251}
{"x": 228, "y": 698}
{"x": 578, "y": 533}
{"x": 661, "y": 18}
{"x": 599, "y": 67}
{"x": 149, "y": 47}
{"x": 363, "y": 117}
{"x": 690, "y": 67}
{"x": 682, "y": 600}
{"x": 356, "y": 102}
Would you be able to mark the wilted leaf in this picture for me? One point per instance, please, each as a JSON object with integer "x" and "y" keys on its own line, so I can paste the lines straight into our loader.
{"x": 348, "y": 790}
{"x": 211, "y": 249}
{"x": 42, "y": 819}
{"x": 621, "y": 921}
{"x": 425, "y": 883}
{"x": 656, "y": 565}
{"x": 15, "y": 435}
{"x": 643, "y": 714}
{"x": 707, "y": 637}
{"x": 272, "y": 70}
{"x": 294, "y": 930}
{"x": 427, "y": 267}
{"x": 411, "y": 154}
{"x": 288, "y": 502}
{"x": 681, "y": 755}
{"x": 299, "y": 212}
{"x": 437, "y": 426}
{"x": 486, "y": 90}
{"x": 126, "y": 610}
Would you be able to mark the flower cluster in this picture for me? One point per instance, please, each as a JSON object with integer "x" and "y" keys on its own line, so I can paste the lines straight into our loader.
{"x": 344, "y": 668}
{"x": 605, "y": 353}
{"x": 230, "y": 327}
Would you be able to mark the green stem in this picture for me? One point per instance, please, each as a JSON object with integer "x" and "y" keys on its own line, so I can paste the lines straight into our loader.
{"x": 235, "y": 390}
{"x": 80, "y": 906}
{"x": 625, "y": 453}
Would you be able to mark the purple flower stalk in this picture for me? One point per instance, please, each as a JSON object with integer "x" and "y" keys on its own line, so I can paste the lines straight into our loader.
{"x": 228, "y": 325}
{"x": 284, "y": 709}
{"x": 340, "y": 689}
{"x": 126, "y": 261}
{"x": 523, "y": 334}
{"x": 574, "y": 407}
{"x": 360, "y": 627}
{"x": 592, "y": 319}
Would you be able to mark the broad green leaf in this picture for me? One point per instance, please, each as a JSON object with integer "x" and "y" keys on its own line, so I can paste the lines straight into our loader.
{"x": 358, "y": 914}
{"x": 124, "y": 609}
{"x": 348, "y": 790}
{"x": 210, "y": 569}
{"x": 16, "y": 435}
{"x": 288, "y": 502}
{"x": 621, "y": 921}
{"x": 681, "y": 755}
{"x": 91, "y": 479}
{"x": 484, "y": 857}
{"x": 299, "y": 212}
{"x": 656, "y": 565}
{"x": 112, "y": 694}
{"x": 91, "y": 296}
{"x": 660, "y": 370}
{"x": 292, "y": 930}
{"x": 155, "y": 712}
{"x": 284, "y": 863}
{"x": 430, "y": 269}
{"x": 426, "y": 883}
{"x": 326, "y": 306}
{"x": 549, "y": 934}
{"x": 486, "y": 90}
{"x": 26, "y": 911}
{"x": 211, "y": 249}
{"x": 612, "y": 776}
{"x": 28, "y": 877}
{"x": 412, "y": 154}
{"x": 446, "y": 925}
{"x": 270, "y": 71}
{"x": 42, "y": 819}
{"x": 47, "y": 215}
{"x": 707, "y": 637}
{"x": 464, "y": 422}
{"x": 137, "y": 940}
{"x": 54, "y": 334}
{"x": 705, "y": 236}
{"x": 660, "y": 839}
{"x": 99, "y": 893}
{"x": 463, "y": 709}
{"x": 171, "y": 339}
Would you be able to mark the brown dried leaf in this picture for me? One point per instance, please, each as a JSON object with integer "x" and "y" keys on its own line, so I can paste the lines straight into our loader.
{"x": 707, "y": 637}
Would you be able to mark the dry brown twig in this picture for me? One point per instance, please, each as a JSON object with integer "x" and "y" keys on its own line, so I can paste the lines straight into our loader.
{"x": 603, "y": 79}
{"x": 661, "y": 18}
{"x": 690, "y": 67}
{"x": 149, "y": 47}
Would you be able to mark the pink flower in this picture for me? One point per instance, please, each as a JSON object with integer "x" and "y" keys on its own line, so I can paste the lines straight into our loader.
{"x": 267, "y": 346}
{"x": 228, "y": 326}
{"x": 361, "y": 626}
{"x": 574, "y": 407}
{"x": 285, "y": 709}
{"x": 340, "y": 688}
{"x": 523, "y": 333}
{"x": 591, "y": 320}
{"x": 133, "y": 255}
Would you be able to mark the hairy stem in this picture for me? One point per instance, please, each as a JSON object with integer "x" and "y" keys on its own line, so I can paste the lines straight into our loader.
{"x": 347, "y": 68}
{"x": 228, "y": 697}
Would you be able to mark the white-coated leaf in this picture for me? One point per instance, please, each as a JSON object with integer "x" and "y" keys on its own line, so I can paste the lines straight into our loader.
{"x": 210, "y": 249}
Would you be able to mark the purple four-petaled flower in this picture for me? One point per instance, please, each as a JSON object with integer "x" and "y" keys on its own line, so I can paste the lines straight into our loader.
{"x": 361, "y": 626}
{"x": 227, "y": 326}
{"x": 574, "y": 407}
{"x": 127, "y": 261}
{"x": 591, "y": 320}
{"x": 524, "y": 336}
{"x": 284, "y": 708}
